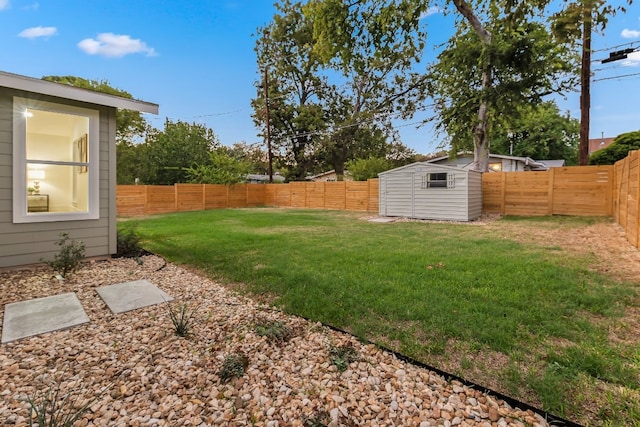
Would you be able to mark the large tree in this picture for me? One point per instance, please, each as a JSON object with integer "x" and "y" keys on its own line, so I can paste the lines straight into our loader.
{"x": 540, "y": 132}
{"x": 172, "y": 151}
{"x": 290, "y": 86}
{"x": 324, "y": 112}
{"x": 375, "y": 77}
{"x": 400, "y": 18}
{"x": 527, "y": 64}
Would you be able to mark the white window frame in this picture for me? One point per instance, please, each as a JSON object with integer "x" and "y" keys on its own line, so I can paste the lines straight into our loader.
{"x": 429, "y": 183}
{"x": 20, "y": 214}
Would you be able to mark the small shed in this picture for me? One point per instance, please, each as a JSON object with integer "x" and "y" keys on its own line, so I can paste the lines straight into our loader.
{"x": 57, "y": 168}
{"x": 430, "y": 191}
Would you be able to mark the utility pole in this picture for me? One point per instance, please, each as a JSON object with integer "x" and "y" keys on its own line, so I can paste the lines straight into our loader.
{"x": 585, "y": 87}
{"x": 268, "y": 120}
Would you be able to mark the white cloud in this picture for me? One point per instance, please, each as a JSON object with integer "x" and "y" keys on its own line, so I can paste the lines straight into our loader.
{"x": 115, "y": 46}
{"x": 633, "y": 60}
{"x": 630, "y": 34}
{"x": 4, "y": 4}
{"x": 430, "y": 11}
{"x": 35, "y": 32}
{"x": 34, "y": 6}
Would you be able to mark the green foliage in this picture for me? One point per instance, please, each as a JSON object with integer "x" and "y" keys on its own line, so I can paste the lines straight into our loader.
{"x": 233, "y": 366}
{"x": 526, "y": 65}
{"x": 273, "y": 330}
{"x": 129, "y": 244}
{"x": 341, "y": 356}
{"x": 172, "y": 151}
{"x": 182, "y": 319}
{"x": 222, "y": 168}
{"x": 617, "y": 150}
{"x": 51, "y": 408}
{"x": 540, "y": 132}
{"x": 325, "y": 112}
{"x": 68, "y": 259}
{"x": 319, "y": 418}
{"x": 364, "y": 169}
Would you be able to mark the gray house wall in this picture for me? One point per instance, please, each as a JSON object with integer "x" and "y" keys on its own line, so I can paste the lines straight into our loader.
{"x": 402, "y": 194}
{"x": 29, "y": 243}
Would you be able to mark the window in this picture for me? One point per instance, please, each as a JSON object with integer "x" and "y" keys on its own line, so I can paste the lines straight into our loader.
{"x": 438, "y": 180}
{"x": 55, "y": 160}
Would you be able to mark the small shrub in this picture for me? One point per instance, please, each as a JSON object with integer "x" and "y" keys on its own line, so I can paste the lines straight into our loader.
{"x": 319, "y": 418}
{"x": 342, "y": 356}
{"x": 233, "y": 366}
{"x": 51, "y": 408}
{"x": 274, "y": 330}
{"x": 182, "y": 319}
{"x": 129, "y": 245}
{"x": 68, "y": 259}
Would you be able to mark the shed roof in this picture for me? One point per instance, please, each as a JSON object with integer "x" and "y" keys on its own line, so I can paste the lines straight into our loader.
{"x": 30, "y": 84}
{"x": 430, "y": 165}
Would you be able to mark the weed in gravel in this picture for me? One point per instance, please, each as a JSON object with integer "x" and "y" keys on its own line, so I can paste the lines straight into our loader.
{"x": 182, "y": 319}
{"x": 274, "y": 330}
{"x": 233, "y": 366}
{"x": 319, "y": 418}
{"x": 51, "y": 408}
{"x": 341, "y": 356}
{"x": 68, "y": 259}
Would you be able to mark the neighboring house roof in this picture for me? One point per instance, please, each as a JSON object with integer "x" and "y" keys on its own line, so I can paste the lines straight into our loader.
{"x": 258, "y": 178}
{"x": 325, "y": 174}
{"x": 596, "y": 144}
{"x": 534, "y": 165}
{"x": 429, "y": 164}
{"x": 30, "y": 84}
{"x": 552, "y": 163}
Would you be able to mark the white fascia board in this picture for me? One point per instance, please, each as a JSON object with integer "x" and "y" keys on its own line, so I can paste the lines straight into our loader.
{"x": 30, "y": 84}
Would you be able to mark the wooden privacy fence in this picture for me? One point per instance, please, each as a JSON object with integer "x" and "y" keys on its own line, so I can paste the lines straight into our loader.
{"x": 576, "y": 190}
{"x": 135, "y": 200}
{"x": 626, "y": 196}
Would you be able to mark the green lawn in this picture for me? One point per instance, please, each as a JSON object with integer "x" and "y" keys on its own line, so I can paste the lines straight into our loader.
{"x": 530, "y": 320}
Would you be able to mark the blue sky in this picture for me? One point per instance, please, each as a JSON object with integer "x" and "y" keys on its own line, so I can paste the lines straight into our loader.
{"x": 196, "y": 60}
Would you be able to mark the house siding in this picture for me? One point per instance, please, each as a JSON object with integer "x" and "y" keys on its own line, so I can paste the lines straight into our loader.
{"x": 401, "y": 194}
{"x": 29, "y": 243}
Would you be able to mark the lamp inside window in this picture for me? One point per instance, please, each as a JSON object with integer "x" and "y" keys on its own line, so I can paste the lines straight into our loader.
{"x": 36, "y": 175}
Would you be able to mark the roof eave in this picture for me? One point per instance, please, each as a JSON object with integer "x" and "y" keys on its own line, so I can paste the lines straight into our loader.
{"x": 30, "y": 84}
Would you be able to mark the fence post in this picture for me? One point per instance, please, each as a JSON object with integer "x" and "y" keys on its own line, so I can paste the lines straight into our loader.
{"x": 175, "y": 197}
{"x": 637, "y": 241}
{"x": 551, "y": 177}
{"x": 503, "y": 193}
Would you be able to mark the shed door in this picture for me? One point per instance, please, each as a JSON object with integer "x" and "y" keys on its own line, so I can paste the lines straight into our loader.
{"x": 398, "y": 194}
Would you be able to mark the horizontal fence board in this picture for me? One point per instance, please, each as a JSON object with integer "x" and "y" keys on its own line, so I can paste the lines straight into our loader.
{"x": 215, "y": 196}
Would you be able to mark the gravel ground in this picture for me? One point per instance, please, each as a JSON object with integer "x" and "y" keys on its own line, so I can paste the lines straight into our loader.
{"x": 155, "y": 378}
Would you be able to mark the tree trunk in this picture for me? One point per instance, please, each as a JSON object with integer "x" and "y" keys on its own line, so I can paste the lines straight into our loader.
{"x": 585, "y": 87}
{"x": 480, "y": 132}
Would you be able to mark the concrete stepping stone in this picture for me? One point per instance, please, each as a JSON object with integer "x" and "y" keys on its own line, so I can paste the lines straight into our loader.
{"x": 37, "y": 316}
{"x": 128, "y": 296}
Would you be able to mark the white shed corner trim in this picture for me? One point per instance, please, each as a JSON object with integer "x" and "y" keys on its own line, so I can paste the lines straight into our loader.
{"x": 430, "y": 191}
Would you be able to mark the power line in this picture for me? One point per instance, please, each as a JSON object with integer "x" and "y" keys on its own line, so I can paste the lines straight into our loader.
{"x": 616, "y": 77}
{"x": 615, "y": 47}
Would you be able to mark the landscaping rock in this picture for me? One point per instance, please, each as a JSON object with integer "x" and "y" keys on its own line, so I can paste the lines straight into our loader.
{"x": 140, "y": 373}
